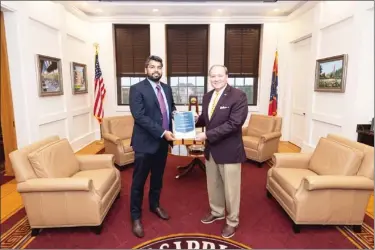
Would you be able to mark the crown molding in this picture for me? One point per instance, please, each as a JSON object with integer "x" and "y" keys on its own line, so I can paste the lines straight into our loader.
{"x": 74, "y": 10}
{"x": 302, "y": 10}
{"x": 7, "y": 6}
{"x": 188, "y": 19}
{"x": 226, "y": 3}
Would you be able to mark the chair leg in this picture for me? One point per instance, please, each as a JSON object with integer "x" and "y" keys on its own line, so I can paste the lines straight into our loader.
{"x": 35, "y": 232}
{"x": 357, "y": 228}
{"x": 97, "y": 229}
{"x": 269, "y": 195}
{"x": 120, "y": 167}
{"x": 296, "y": 228}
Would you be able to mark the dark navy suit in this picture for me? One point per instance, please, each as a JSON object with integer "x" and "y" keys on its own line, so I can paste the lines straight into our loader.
{"x": 149, "y": 145}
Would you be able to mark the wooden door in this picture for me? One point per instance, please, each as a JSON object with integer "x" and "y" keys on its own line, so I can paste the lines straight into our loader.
{"x": 6, "y": 104}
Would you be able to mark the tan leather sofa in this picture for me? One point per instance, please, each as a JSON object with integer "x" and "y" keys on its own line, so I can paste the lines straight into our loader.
{"x": 117, "y": 132}
{"x": 261, "y": 137}
{"x": 330, "y": 186}
{"x": 60, "y": 189}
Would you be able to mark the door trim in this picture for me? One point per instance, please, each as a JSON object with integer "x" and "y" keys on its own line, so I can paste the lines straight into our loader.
{"x": 6, "y": 104}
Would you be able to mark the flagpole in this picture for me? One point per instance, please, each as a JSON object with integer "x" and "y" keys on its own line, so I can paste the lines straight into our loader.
{"x": 96, "y": 46}
{"x": 277, "y": 35}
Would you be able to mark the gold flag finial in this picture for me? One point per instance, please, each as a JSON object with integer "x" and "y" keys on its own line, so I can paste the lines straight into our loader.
{"x": 96, "y": 45}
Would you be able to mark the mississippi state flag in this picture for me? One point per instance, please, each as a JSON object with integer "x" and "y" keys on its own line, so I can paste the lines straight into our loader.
{"x": 272, "y": 106}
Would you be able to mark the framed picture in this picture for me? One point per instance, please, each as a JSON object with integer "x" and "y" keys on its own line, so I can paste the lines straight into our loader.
{"x": 79, "y": 78}
{"x": 49, "y": 76}
{"x": 330, "y": 74}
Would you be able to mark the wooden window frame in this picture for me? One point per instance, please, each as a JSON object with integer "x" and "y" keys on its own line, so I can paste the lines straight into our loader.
{"x": 245, "y": 75}
{"x": 205, "y": 64}
{"x": 128, "y": 74}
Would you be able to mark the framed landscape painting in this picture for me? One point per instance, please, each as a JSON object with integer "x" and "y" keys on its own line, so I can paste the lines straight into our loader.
{"x": 79, "y": 78}
{"x": 49, "y": 76}
{"x": 330, "y": 74}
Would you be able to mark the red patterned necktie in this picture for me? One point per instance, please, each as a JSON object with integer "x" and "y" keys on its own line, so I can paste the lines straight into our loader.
{"x": 163, "y": 108}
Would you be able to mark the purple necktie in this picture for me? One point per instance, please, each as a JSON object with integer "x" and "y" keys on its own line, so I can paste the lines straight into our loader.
{"x": 163, "y": 108}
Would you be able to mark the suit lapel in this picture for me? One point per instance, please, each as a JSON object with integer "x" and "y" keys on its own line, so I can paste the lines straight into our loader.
{"x": 221, "y": 101}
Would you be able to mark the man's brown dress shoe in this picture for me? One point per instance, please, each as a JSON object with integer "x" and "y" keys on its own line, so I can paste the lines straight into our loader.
{"x": 228, "y": 231}
{"x": 209, "y": 218}
{"x": 138, "y": 229}
{"x": 161, "y": 213}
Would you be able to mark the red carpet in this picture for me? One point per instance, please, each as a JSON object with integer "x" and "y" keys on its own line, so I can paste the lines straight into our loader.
{"x": 263, "y": 223}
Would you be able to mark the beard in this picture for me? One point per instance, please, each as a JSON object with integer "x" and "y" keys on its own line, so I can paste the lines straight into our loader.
{"x": 154, "y": 77}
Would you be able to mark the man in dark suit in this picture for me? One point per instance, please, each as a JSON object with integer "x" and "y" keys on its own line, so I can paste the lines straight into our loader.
{"x": 152, "y": 106}
{"x": 224, "y": 111}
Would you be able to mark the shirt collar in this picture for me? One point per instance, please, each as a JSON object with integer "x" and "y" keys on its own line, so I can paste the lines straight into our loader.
{"x": 153, "y": 84}
{"x": 222, "y": 90}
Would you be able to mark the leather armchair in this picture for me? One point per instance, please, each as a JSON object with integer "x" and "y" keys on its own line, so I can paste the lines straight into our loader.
{"x": 117, "y": 132}
{"x": 60, "y": 189}
{"x": 261, "y": 137}
{"x": 330, "y": 186}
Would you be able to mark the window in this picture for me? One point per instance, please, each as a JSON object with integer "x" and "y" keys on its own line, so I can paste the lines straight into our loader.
{"x": 187, "y": 59}
{"x": 242, "y": 44}
{"x": 132, "y": 47}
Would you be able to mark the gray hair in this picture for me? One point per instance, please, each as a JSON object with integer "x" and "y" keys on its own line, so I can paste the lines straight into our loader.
{"x": 218, "y": 65}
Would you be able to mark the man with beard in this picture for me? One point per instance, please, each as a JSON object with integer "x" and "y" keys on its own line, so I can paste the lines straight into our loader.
{"x": 152, "y": 106}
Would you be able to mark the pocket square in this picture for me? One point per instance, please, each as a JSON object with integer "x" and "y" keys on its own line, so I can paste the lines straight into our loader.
{"x": 224, "y": 107}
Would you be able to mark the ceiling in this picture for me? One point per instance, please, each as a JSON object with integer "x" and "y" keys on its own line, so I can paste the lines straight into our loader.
{"x": 186, "y": 8}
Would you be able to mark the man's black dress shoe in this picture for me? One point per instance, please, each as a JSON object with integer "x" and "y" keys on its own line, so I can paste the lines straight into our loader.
{"x": 138, "y": 229}
{"x": 161, "y": 213}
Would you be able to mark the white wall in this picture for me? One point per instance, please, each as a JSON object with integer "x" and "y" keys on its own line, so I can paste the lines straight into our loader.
{"x": 104, "y": 36}
{"x": 46, "y": 28}
{"x": 336, "y": 28}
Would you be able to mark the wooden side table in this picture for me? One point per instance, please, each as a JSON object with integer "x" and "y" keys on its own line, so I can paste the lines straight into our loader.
{"x": 188, "y": 148}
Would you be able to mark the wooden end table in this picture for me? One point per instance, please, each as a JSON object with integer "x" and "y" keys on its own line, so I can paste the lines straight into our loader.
{"x": 188, "y": 148}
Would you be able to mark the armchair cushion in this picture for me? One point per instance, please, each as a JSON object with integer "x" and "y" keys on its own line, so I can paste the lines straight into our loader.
{"x": 126, "y": 145}
{"x": 102, "y": 179}
{"x": 332, "y": 158}
{"x": 121, "y": 127}
{"x": 290, "y": 178}
{"x": 367, "y": 167}
{"x": 54, "y": 160}
{"x": 251, "y": 142}
{"x": 91, "y": 162}
{"x": 112, "y": 138}
{"x": 260, "y": 125}
{"x": 270, "y": 136}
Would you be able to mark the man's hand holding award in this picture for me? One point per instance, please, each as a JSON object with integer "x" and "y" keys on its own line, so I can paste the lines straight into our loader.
{"x": 184, "y": 125}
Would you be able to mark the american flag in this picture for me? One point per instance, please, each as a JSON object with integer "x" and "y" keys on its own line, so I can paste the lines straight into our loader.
{"x": 99, "y": 91}
{"x": 272, "y": 106}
